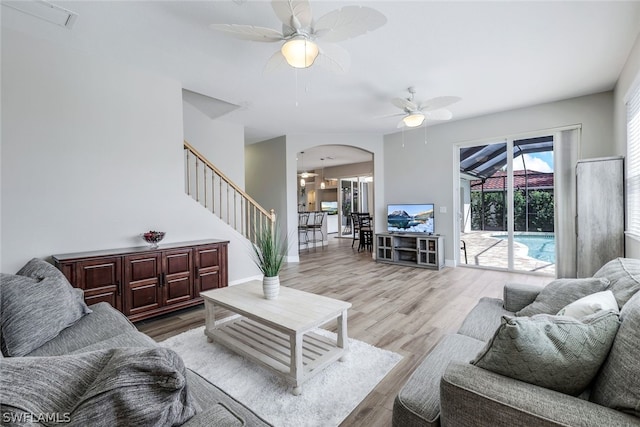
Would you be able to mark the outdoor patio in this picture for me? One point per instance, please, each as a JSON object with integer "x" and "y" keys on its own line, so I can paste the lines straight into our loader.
{"x": 486, "y": 251}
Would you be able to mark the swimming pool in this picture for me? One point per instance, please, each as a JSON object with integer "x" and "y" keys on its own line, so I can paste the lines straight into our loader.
{"x": 541, "y": 246}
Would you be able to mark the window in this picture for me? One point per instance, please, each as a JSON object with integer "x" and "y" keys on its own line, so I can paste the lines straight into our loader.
{"x": 633, "y": 163}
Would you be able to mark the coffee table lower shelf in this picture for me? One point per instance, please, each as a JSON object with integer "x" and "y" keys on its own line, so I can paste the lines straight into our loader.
{"x": 272, "y": 348}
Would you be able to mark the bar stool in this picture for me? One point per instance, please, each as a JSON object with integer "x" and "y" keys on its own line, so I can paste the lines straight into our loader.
{"x": 315, "y": 226}
{"x": 303, "y": 230}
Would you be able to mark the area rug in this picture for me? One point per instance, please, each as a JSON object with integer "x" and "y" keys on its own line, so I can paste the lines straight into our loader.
{"x": 326, "y": 399}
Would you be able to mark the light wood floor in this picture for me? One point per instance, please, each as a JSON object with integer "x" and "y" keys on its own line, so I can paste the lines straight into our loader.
{"x": 403, "y": 309}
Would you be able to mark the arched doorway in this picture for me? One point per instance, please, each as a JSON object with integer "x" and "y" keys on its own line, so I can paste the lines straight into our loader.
{"x": 337, "y": 180}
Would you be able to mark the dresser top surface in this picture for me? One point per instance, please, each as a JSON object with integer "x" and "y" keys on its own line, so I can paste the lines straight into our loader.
{"x": 135, "y": 249}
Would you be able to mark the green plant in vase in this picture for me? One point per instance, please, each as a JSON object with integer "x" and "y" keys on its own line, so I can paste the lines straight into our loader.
{"x": 268, "y": 255}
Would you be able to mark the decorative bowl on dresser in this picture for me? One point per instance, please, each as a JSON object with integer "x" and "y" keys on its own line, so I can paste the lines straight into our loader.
{"x": 153, "y": 237}
{"x": 144, "y": 282}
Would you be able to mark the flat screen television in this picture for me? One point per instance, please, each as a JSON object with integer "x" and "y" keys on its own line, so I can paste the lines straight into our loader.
{"x": 411, "y": 218}
{"x": 331, "y": 208}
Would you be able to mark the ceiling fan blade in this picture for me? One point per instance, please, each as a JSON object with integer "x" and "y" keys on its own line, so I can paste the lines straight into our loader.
{"x": 334, "y": 58}
{"x": 249, "y": 32}
{"x": 439, "y": 114}
{"x": 348, "y": 22}
{"x": 404, "y": 104}
{"x": 276, "y": 62}
{"x": 293, "y": 13}
{"x": 439, "y": 102}
{"x": 386, "y": 116}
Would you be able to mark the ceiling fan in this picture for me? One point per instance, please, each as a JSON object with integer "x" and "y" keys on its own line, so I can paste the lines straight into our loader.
{"x": 300, "y": 32}
{"x": 415, "y": 113}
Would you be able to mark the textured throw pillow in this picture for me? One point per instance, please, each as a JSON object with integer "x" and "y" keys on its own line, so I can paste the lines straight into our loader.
{"x": 556, "y": 352}
{"x": 618, "y": 384}
{"x": 39, "y": 269}
{"x": 115, "y": 387}
{"x": 590, "y": 304}
{"x": 561, "y": 292}
{"x": 624, "y": 277}
{"x": 35, "y": 310}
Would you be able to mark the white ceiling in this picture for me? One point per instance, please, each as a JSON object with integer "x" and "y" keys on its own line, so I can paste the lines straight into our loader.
{"x": 495, "y": 55}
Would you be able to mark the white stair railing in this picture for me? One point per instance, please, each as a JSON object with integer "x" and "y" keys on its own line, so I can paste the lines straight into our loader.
{"x": 212, "y": 189}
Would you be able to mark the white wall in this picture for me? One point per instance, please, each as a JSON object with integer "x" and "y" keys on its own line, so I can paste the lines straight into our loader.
{"x": 92, "y": 157}
{"x": 420, "y": 172}
{"x": 629, "y": 77}
{"x": 222, "y": 143}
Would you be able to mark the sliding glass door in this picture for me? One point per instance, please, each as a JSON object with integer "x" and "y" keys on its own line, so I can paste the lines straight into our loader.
{"x": 507, "y": 205}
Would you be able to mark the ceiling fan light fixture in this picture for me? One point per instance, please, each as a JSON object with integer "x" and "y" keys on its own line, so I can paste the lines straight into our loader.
{"x": 300, "y": 52}
{"x": 413, "y": 120}
{"x": 302, "y": 182}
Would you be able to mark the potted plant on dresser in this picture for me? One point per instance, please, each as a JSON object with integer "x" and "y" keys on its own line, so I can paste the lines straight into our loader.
{"x": 268, "y": 254}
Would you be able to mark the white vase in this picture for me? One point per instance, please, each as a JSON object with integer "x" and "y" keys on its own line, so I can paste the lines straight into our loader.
{"x": 271, "y": 287}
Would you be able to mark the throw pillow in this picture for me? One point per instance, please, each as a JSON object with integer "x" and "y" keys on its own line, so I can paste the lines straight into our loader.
{"x": 121, "y": 386}
{"x": 624, "y": 275}
{"x": 561, "y": 292}
{"x": 39, "y": 269}
{"x": 590, "y": 304}
{"x": 618, "y": 384}
{"x": 556, "y": 352}
{"x": 34, "y": 311}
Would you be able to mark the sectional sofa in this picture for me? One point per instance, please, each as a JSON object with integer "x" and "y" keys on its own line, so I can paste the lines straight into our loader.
{"x": 77, "y": 365}
{"x": 513, "y": 362}
{"x": 525, "y": 361}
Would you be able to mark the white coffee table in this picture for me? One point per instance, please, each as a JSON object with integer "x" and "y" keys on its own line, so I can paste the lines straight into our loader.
{"x": 277, "y": 333}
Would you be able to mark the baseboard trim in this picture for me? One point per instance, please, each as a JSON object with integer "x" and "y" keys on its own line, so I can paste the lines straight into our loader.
{"x": 245, "y": 280}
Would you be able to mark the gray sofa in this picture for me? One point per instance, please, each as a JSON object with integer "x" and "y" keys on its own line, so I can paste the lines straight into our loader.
{"x": 104, "y": 334}
{"x": 448, "y": 389}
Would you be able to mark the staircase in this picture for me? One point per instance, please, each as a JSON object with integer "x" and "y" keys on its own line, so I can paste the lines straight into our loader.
{"x": 212, "y": 189}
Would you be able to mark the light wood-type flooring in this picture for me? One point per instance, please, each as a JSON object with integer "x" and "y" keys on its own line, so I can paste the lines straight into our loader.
{"x": 403, "y": 309}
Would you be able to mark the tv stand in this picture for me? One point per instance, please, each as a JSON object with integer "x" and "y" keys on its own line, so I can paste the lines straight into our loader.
{"x": 415, "y": 250}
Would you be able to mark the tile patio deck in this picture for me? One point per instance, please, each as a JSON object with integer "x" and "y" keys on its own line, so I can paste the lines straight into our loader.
{"x": 486, "y": 251}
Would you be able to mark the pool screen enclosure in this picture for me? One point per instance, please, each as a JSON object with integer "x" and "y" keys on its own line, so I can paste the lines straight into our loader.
{"x": 516, "y": 201}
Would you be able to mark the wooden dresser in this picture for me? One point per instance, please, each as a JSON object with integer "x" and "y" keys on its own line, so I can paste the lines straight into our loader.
{"x": 143, "y": 282}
